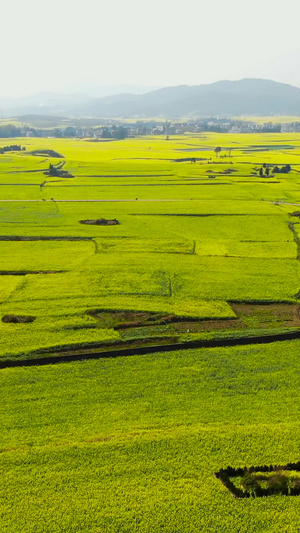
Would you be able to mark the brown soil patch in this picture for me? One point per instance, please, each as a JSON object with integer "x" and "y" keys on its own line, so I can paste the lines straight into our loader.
{"x": 100, "y": 222}
{"x": 18, "y": 319}
{"x": 268, "y": 315}
{"x": 130, "y": 319}
{"x": 250, "y": 316}
{"x": 207, "y": 325}
{"x": 226, "y": 171}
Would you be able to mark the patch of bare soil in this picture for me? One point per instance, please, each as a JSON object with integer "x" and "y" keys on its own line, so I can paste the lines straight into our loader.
{"x": 135, "y": 319}
{"x": 18, "y": 319}
{"x": 130, "y": 319}
{"x": 226, "y": 171}
{"x": 100, "y": 222}
{"x": 250, "y": 316}
{"x": 268, "y": 315}
{"x": 207, "y": 325}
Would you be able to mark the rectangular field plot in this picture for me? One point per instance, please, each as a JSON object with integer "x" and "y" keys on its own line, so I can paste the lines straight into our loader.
{"x": 232, "y": 248}
{"x": 75, "y": 292}
{"x": 237, "y": 278}
{"x": 131, "y": 192}
{"x": 43, "y": 255}
{"x": 93, "y": 442}
{"x": 144, "y": 245}
{"x": 86, "y": 284}
{"x": 217, "y": 227}
{"x": 37, "y": 214}
{"x": 110, "y": 277}
{"x": 64, "y": 308}
{"x": 19, "y": 340}
{"x": 119, "y": 281}
{"x": 8, "y": 284}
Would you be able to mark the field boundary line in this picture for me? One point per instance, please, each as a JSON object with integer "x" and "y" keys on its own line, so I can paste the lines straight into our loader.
{"x": 291, "y": 226}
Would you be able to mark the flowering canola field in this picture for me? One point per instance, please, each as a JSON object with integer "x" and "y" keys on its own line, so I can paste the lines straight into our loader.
{"x": 207, "y": 243}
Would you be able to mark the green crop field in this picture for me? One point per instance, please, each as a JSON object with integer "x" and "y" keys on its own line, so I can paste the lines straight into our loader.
{"x": 207, "y": 247}
{"x": 193, "y": 236}
{"x": 131, "y": 444}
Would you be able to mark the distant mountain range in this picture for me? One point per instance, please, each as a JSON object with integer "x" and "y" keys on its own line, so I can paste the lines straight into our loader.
{"x": 99, "y": 90}
{"x": 223, "y": 98}
{"x": 42, "y": 103}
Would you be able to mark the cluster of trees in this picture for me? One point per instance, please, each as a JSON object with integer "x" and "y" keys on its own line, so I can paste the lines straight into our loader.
{"x": 12, "y": 148}
{"x": 56, "y": 171}
{"x": 283, "y": 170}
{"x": 112, "y": 132}
{"x": 218, "y": 151}
{"x": 42, "y": 127}
{"x": 269, "y": 128}
{"x": 264, "y": 171}
{"x": 9, "y": 130}
{"x": 224, "y": 125}
{"x": 115, "y": 133}
{"x": 277, "y": 483}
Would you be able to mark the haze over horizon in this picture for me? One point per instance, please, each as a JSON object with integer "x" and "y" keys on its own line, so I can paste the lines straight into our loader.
{"x": 64, "y": 47}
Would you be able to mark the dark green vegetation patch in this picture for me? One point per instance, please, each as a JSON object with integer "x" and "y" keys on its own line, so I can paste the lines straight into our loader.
{"x": 46, "y": 153}
{"x": 18, "y": 319}
{"x": 258, "y": 481}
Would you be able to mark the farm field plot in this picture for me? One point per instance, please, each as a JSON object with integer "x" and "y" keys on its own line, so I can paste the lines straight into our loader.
{"x": 147, "y": 242}
{"x": 193, "y": 236}
{"x": 132, "y": 444}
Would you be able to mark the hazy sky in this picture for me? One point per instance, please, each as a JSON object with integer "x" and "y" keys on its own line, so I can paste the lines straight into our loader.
{"x": 58, "y": 44}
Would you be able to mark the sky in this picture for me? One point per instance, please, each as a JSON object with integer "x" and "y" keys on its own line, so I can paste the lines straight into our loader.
{"x": 67, "y": 45}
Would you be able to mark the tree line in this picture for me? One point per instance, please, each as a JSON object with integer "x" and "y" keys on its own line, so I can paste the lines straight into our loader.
{"x": 12, "y": 148}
